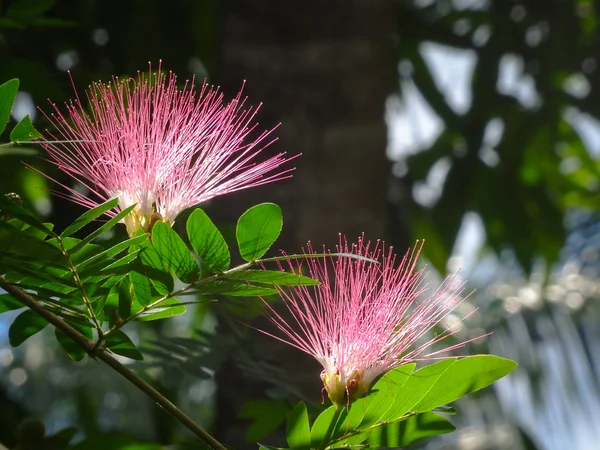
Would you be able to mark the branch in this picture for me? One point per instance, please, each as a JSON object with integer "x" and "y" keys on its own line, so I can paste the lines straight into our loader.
{"x": 102, "y": 353}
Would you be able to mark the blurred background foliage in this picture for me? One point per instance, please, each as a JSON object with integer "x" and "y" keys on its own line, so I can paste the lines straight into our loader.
{"x": 489, "y": 113}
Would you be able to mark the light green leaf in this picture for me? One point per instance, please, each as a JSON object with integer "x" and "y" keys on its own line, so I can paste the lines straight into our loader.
{"x": 414, "y": 389}
{"x": 466, "y": 375}
{"x": 103, "y": 229}
{"x": 174, "y": 253}
{"x": 119, "y": 343}
{"x": 257, "y": 229}
{"x": 298, "y": 428}
{"x": 273, "y": 277}
{"x": 74, "y": 350}
{"x": 208, "y": 242}
{"x": 321, "y": 425}
{"x": 24, "y": 326}
{"x": 112, "y": 252}
{"x": 169, "y": 308}
{"x": 153, "y": 267}
{"x": 90, "y": 215}
{"x": 367, "y": 411}
{"x": 24, "y": 131}
{"x": 141, "y": 288}
{"x": 8, "y": 93}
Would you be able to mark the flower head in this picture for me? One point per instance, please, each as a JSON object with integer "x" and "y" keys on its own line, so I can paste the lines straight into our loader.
{"x": 162, "y": 148}
{"x": 365, "y": 318}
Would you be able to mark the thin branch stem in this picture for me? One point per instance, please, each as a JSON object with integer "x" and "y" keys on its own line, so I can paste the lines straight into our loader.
{"x": 102, "y": 353}
{"x": 80, "y": 287}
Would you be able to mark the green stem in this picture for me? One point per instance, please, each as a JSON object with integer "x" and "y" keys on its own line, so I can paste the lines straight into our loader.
{"x": 331, "y": 429}
{"x": 103, "y": 354}
{"x": 80, "y": 287}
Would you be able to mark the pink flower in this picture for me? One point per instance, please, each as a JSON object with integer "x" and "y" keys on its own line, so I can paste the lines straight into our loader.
{"x": 365, "y": 318}
{"x": 165, "y": 149}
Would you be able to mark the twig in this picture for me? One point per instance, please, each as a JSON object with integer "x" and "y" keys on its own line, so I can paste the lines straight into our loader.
{"x": 102, "y": 353}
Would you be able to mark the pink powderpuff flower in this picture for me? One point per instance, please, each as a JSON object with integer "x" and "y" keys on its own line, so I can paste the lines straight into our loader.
{"x": 365, "y": 318}
{"x": 164, "y": 149}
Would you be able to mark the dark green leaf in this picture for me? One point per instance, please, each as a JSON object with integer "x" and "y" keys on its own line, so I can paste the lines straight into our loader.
{"x": 169, "y": 308}
{"x": 8, "y": 93}
{"x": 9, "y": 206}
{"x": 88, "y": 216}
{"x": 412, "y": 429}
{"x": 257, "y": 229}
{"x": 298, "y": 428}
{"x": 174, "y": 253}
{"x": 119, "y": 343}
{"x": 24, "y": 326}
{"x": 125, "y": 297}
{"x": 28, "y": 9}
{"x": 274, "y": 277}
{"x": 234, "y": 289}
{"x": 266, "y": 415}
{"x": 208, "y": 242}
{"x": 74, "y": 350}
{"x": 9, "y": 303}
{"x": 61, "y": 439}
{"x": 24, "y": 131}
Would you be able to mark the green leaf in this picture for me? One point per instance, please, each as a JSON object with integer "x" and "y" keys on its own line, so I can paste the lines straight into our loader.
{"x": 153, "y": 267}
{"x": 8, "y": 93}
{"x": 169, "y": 308}
{"x": 90, "y": 215}
{"x": 321, "y": 425}
{"x": 120, "y": 263}
{"x": 141, "y": 288}
{"x": 266, "y": 415}
{"x": 9, "y": 303}
{"x": 24, "y": 131}
{"x": 298, "y": 428}
{"x": 74, "y": 350}
{"x": 464, "y": 376}
{"x": 24, "y": 326}
{"x": 125, "y": 297}
{"x": 112, "y": 252}
{"x": 412, "y": 429}
{"x": 257, "y": 229}
{"x": 27, "y": 9}
{"x": 119, "y": 343}
{"x": 9, "y": 206}
{"x": 103, "y": 229}
{"x": 414, "y": 389}
{"x": 208, "y": 242}
{"x": 174, "y": 253}
{"x": 234, "y": 289}
{"x": 273, "y": 277}
{"x": 366, "y": 412}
